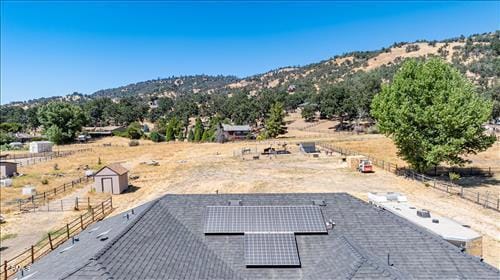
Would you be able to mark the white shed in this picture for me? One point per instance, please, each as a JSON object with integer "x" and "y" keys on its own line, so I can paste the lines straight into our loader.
{"x": 40, "y": 147}
{"x": 112, "y": 179}
{"x": 7, "y": 168}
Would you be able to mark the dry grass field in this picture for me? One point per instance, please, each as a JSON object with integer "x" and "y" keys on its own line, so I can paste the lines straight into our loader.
{"x": 207, "y": 168}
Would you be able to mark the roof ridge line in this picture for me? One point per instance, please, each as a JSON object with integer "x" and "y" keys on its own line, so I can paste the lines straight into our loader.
{"x": 369, "y": 258}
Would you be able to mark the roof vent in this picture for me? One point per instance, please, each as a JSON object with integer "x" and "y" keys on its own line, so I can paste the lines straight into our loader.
{"x": 436, "y": 221}
{"x": 423, "y": 213}
{"x": 235, "y": 202}
{"x": 319, "y": 202}
{"x": 330, "y": 224}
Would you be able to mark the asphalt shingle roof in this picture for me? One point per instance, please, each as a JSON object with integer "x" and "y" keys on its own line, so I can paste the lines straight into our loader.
{"x": 166, "y": 241}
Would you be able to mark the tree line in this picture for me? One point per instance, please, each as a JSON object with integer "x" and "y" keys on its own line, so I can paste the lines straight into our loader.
{"x": 430, "y": 110}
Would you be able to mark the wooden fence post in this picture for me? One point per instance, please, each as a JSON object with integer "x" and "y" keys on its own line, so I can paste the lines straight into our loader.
{"x": 88, "y": 202}
{"x": 102, "y": 208}
{"x": 498, "y": 203}
{"x": 67, "y": 230}
{"x": 111, "y": 201}
{"x": 477, "y": 197}
{"x": 50, "y": 242}
{"x": 462, "y": 191}
{"x": 92, "y": 213}
{"x": 76, "y": 202}
{"x": 81, "y": 221}
{"x": 5, "y": 270}
{"x": 32, "y": 254}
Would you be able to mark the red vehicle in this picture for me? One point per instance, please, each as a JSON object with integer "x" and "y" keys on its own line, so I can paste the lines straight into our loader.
{"x": 365, "y": 166}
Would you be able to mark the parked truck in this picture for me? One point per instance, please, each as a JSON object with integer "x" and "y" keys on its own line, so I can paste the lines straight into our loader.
{"x": 365, "y": 166}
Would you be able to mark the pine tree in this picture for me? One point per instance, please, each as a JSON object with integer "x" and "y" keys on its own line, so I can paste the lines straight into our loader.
{"x": 198, "y": 130}
{"x": 191, "y": 135}
{"x": 275, "y": 123}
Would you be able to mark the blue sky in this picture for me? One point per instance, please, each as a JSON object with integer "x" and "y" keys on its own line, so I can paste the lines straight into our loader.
{"x": 55, "y": 48}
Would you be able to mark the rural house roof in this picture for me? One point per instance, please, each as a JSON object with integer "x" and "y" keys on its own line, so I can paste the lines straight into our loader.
{"x": 8, "y": 162}
{"x": 165, "y": 239}
{"x": 115, "y": 167}
{"x": 227, "y": 127}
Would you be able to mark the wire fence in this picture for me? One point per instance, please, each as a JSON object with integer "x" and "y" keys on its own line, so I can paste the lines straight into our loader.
{"x": 41, "y": 198}
{"x": 55, "y": 238}
{"x": 34, "y": 158}
{"x": 59, "y": 205}
{"x": 487, "y": 199}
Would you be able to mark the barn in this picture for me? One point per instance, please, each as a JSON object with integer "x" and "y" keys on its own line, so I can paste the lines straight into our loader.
{"x": 236, "y": 132}
{"x": 112, "y": 179}
{"x": 7, "y": 168}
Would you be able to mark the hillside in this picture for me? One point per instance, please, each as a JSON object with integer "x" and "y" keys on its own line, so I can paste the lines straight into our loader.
{"x": 476, "y": 56}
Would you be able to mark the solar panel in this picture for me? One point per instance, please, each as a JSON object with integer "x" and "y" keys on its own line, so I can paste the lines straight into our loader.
{"x": 243, "y": 219}
{"x": 271, "y": 249}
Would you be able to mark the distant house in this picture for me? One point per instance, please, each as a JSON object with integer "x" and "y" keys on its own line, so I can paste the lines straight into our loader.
{"x": 236, "y": 132}
{"x": 7, "y": 168}
{"x": 24, "y": 137}
{"x": 100, "y": 131}
{"x": 40, "y": 146}
{"x": 111, "y": 179}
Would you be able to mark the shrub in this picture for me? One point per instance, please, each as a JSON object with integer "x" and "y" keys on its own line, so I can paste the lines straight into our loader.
{"x": 45, "y": 181}
{"x": 155, "y": 136}
{"x": 134, "y": 131}
{"x": 454, "y": 176}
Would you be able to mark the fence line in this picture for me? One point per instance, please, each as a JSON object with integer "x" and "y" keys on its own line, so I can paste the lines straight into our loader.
{"x": 45, "y": 154}
{"x": 10, "y": 267}
{"x": 70, "y": 204}
{"x": 484, "y": 200}
{"x": 28, "y": 203}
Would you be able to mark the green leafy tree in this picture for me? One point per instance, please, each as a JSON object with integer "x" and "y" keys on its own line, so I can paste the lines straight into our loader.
{"x": 275, "y": 123}
{"x": 55, "y": 134}
{"x": 308, "y": 113}
{"x": 134, "y": 131}
{"x": 198, "y": 130}
{"x": 433, "y": 114}
{"x": 61, "y": 121}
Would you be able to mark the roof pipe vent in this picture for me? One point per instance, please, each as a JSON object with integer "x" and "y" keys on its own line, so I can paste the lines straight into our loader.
{"x": 330, "y": 224}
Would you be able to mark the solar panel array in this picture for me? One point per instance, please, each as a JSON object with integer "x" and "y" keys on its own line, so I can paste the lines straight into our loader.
{"x": 245, "y": 219}
{"x": 271, "y": 249}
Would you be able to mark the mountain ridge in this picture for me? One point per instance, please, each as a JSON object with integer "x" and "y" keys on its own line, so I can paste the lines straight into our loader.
{"x": 475, "y": 56}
